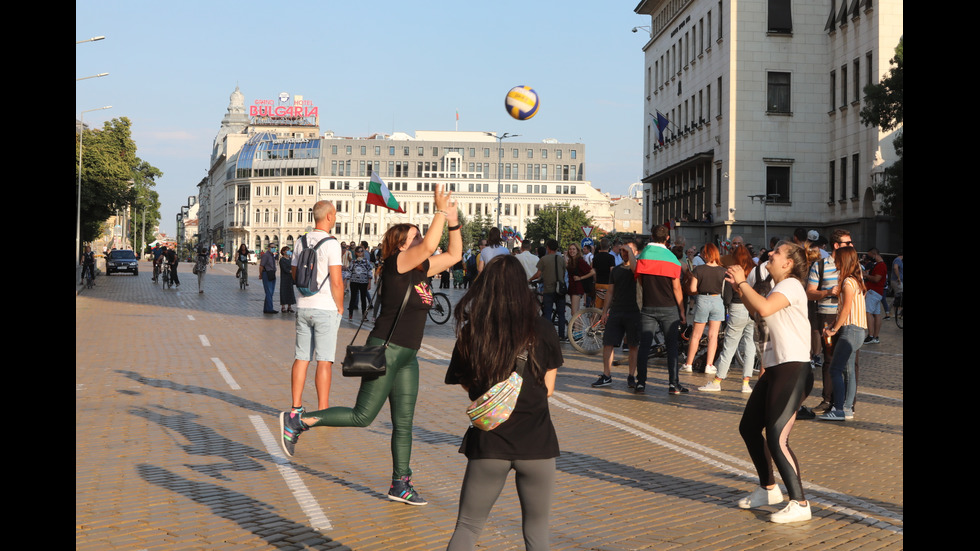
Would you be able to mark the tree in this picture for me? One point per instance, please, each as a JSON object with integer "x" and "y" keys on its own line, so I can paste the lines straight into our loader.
{"x": 884, "y": 108}
{"x": 113, "y": 177}
{"x": 570, "y": 223}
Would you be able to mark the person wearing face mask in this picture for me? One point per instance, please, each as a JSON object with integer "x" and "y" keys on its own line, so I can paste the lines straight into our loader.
{"x": 287, "y": 295}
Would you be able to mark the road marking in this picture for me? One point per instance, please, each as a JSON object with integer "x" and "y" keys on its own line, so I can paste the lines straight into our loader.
{"x": 190, "y": 317}
{"x": 204, "y": 340}
{"x": 435, "y": 352}
{"x": 863, "y": 393}
{"x": 876, "y": 353}
{"x": 225, "y": 374}
{"x": 301, "y": 493}
{"x": 607, "y": 417}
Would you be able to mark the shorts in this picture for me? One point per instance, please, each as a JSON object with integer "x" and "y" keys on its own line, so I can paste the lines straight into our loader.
{"x": 709, "y": 308}
{"x": 619, "y": 325}
{"x": 316, "y": 330}
{"x": 872, "y": 303}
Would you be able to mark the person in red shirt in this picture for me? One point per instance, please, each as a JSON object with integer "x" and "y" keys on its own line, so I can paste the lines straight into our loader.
{"x": 874, "y": 279}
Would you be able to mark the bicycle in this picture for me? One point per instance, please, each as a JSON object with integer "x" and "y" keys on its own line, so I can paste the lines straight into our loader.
{"x": 243, "y": 277}
{"x": 441, "y": 308}
{"x": 900, "y": 310}
{"x": 585, "y": 331}
{"x": 700, "y": 360}
{"x": 554, "y": 311}
{"x": 89, "y": 273}
{"x": 165, "y": 274}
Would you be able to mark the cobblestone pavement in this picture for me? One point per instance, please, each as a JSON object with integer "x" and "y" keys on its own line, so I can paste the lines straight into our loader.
{"x": 177, "y": 392}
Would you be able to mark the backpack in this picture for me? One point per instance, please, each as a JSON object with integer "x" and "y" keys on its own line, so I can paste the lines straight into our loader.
{"x": 306, "y": 268}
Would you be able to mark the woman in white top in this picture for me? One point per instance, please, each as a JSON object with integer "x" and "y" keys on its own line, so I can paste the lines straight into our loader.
{"x": 495, "y": 247}
{"x": 784, "y": 384}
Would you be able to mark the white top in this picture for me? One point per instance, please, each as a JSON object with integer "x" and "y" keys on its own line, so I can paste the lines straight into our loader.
{"x": 326, "y": 256}
{"x": 789, "y": 328}
{"x": 530, "y": 262}
{"x": 488, "y": 253}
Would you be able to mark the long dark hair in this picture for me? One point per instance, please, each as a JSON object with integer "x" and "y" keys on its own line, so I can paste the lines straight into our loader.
{"x": 495, "y": 322}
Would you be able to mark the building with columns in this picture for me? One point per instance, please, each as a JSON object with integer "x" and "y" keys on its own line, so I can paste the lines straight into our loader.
{"x": 763, "y": 99}
{"x": 270, "y": 165}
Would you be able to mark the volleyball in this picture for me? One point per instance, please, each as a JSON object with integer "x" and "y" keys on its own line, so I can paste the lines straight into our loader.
{"x": 522, "y": 102}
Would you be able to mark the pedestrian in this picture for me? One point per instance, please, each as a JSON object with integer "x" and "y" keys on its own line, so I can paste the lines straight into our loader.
{"x": 551, "y": 271}
{"x": 360, "y": 281}
{"x": 494, "y": 328}
{"x": 581, "y": 277}
{"x": 621, "y": 316}
{"x": 659, "y": 273}
{"x": 785, "y": 383}
{"x": 707, "y": 283}
{"x": 850, "y": 327}
{"x": 287, "y": 294}
{"x": 267, "y": 273}
{"x": 739, "y": 332}
{"x": 201, "y": 266}
{"x": 408, "y": 264}
{"x": 494, "y": 247}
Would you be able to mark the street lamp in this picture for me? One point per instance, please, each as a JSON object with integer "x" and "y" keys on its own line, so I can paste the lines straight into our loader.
{"x": 766, "y": 198}
{"x": 557, "y": 209}
{"x": 500, "y": 163}
{"x": 93, "y": 39}
{"x": 93, "y": 76}
{"x": 78, "y": 220}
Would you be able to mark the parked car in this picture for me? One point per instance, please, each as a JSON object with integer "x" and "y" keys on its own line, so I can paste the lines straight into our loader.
{"x": 122, "y": 261}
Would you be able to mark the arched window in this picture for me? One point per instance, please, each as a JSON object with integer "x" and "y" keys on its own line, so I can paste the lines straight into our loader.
{"x": 266, "y": 220}
{"x": 299, "y": 216}
{"x": 289, "y": 216}
{"x": 258, "y": 216}
{"x": 275, "y": 216}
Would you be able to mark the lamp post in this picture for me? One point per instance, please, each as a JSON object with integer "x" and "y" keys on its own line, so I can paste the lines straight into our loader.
{"x": 500, "y": 163}
{"x": 766, "y": 198}
{"x": 78, "y": 219}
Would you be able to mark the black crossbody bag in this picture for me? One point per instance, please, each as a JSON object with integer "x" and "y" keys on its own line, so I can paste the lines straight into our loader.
{"x": 369, "y": 360}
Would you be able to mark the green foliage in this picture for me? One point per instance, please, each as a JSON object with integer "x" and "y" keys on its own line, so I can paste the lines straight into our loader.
{"x": 570, "y": 222}
{"x": 113, "y": 177}
{"x": 884, "y": 108}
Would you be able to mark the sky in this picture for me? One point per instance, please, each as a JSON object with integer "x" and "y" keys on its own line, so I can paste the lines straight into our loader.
{"x": 382, "y": 66}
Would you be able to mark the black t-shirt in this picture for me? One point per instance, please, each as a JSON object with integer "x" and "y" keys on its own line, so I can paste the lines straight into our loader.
{"x": 603, "y": 263}
{"x": 658, "y": 291}
{"x": 529, "y": 432}
{"x": 408, "y": 332}
{"x": 710, "y": 278}
{"x": 624, "y": 290}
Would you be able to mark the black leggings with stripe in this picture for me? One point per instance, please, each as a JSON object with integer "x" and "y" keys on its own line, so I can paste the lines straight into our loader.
{"x": 772, "y": 406}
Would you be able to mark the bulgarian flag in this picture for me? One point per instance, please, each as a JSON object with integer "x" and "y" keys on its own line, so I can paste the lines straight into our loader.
{"x": 656, "y": 259}
{"x": 379, "y": 195}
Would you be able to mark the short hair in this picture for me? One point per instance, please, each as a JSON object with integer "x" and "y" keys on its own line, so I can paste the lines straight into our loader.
{"x": 659, "y": 234}
{"x": 800, "y": 234}
{"x": 552, "y": 244}
{"x": 604, "y": 244}
{"x": 526, "y": 245}
{"x": 322, "y": 209}
{"x": 837, "y": 234}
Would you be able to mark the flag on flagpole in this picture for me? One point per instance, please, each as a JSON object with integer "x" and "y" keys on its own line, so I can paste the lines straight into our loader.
{"x": 379, "y": 195}
{"x": 661, "y": 123}
{"x": 656, "y": 259}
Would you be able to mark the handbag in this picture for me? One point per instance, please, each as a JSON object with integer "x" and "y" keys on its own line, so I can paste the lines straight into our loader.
{"x": 369, "y": 360}
{"x": 495, "y": 406}
{"x": 561, "y": 288}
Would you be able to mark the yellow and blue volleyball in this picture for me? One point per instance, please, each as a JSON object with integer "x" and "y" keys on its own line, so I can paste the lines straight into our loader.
{"x": 522, "y": 102}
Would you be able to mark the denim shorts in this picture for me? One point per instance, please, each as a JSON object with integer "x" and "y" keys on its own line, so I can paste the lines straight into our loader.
{"x": 872, "y": 302}
{"x": 316, "y": 330}
{"x": 709, "y": 308}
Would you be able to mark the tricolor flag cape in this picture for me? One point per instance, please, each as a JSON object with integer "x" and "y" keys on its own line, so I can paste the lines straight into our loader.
{"x": 379, "y": 195}
{"x": 658, "y": 260}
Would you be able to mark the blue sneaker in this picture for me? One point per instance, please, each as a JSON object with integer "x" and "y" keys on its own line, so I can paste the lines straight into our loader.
{"x": 403, "y": 491}
{"x": 290, "y": 427}
{"x": 833, "y": 415}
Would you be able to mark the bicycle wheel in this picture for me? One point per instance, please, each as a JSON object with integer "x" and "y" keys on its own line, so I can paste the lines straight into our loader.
{"x": 900, "y": 316}
{"x": 441, "y": 308}
{"x": 241, "y": 283}
{"x": 585, "y": 331}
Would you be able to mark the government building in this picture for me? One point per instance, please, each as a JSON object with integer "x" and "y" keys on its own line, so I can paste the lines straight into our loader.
{"x": 752, "y": 117}
{"x": 270, "y": 165}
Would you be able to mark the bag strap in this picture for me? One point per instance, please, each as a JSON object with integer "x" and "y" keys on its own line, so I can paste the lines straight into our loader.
{"x": 521, "y": 362}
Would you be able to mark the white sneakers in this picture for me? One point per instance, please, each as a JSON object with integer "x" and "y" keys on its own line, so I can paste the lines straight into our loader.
{"x": 713, "y": 386}
{"x": 793, "y": 512}
{"x": 687, "y": 368}
{"x": 761, "y": 496}
{"x": 746, "y": 389}
{"x": 710, "y": 370}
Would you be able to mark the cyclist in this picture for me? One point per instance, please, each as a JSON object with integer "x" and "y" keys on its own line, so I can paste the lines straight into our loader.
{"x": 88, "y": 262}
{"x": 241, "y": 258}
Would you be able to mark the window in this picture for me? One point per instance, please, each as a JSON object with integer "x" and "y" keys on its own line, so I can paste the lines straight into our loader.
{"x": 778, "y": 93}
{"x": 421, "y": 151}
{"x": 486, "y": 152}
{"x": 843, "y": 85}
{"x": 855, "y": 175}
{"x": 777, "y": 181}
{"x": 516, "y": 152}
{"x": 780, "y": 16}
{"x": 558, "y": 153}
{"x": 843, "y": 178}
{"x": 349, "y": 150}
{"x": 833, "y": 173}
{"x": 833, "y": 90}
{"x": 544, "y": 153}
{"x": 363, "y": 150}
{"x": 857, "y": 79}
{"x": 574, "y": 154}
{"x": 530, "y": 153}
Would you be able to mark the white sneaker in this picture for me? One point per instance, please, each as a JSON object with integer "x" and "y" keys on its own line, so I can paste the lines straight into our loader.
{"x": 761, "y": 496}
{"x": 713, "y": 386}
{"x": 794, "y": 512}
{"x": 746, "y": 389}
{"x": 687, "y": 368}
{"x": 710, "y": 370}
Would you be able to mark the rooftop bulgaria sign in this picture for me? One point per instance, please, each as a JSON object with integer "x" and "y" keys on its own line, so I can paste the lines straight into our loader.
{"x": 285, "y": 110}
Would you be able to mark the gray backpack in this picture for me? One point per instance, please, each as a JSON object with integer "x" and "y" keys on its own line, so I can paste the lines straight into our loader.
{"x": 306, "y": 268}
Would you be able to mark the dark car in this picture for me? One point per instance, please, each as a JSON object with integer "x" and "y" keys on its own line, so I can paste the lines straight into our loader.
{"x": 121, "y": 261}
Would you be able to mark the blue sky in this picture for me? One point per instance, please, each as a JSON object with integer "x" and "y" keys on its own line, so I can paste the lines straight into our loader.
{"x": 369, "y": 67}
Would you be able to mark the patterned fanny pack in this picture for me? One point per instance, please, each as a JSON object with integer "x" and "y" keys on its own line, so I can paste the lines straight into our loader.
{"x": 495, "y": 406}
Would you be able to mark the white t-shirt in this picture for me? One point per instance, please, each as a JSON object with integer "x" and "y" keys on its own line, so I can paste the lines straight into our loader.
{"x": 326, "y": 256}
{"x": 789, "y": 328}
{"x": 488, "y": 253}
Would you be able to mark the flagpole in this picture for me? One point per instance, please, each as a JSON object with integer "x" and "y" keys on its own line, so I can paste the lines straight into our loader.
{"x": 360, "y": 235}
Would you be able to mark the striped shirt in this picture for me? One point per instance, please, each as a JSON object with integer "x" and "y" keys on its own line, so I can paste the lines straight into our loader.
{"x": 827, "y": 305}
{"x": 858, "y": 315}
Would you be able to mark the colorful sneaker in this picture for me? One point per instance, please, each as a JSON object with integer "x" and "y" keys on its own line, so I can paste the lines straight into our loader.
{"x": 677, "y": 389}
{"x": 630, "y": 381}
{"x": 402, "y": 490}
{"x": 290, "y": 427}
{"x": 687, "y": 368}
{"x": 833, "y": 415}
{"x": 746, "y": 389}
{"x": 603, "y": 380}
{"x": 793, "y": 512}
{"x": 713, "y": 386}
{"x": 710, "y": 370}
{"x": 761, "y": 496}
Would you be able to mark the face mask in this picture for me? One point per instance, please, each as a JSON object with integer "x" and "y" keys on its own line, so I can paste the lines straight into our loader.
{"x": 289, "y": 253}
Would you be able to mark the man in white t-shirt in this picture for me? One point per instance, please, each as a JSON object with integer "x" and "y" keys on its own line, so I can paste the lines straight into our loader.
{"x": 318, "y": 316}
{"x": 528, "y": 259}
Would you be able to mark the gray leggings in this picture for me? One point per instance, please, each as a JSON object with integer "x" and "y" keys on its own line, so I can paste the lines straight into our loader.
{"x": 482, "y": 483}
